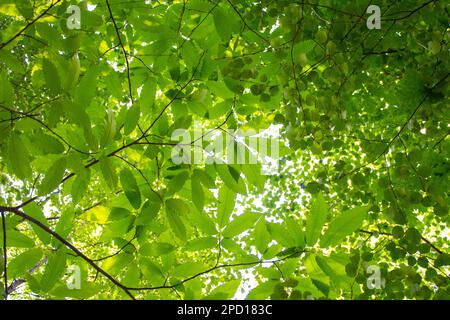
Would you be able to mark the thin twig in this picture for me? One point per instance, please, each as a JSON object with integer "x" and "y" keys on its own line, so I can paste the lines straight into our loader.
{"x": 29, "y": 24}
{"x": 5, "y": 256}
{"x": 68, "y": 245}
{"x": 125, "y": 55}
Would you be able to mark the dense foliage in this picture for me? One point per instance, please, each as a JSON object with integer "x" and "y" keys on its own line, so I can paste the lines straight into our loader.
{"x": 94, "y": 207}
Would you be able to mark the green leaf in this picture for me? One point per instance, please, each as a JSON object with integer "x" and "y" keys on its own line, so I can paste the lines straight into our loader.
{"x": 54, "y": 270}
{"x": 19, "y": 157}
{"x": 64, "y": 226}
{"x": 332, "y": 269}
{"x": 156, "y": 249}
{"x": 225, "y": 291}
{"x": 204, "y": 243}
{"x": 304, "y": 46}
{"x": 151, "y": 271}
{"x": 51, "y": 76}
{"x": 226, "y": 22}
{"x": 118, "y": 262}
{"x": 35, "y": 211}
{"x": 173, "y": 65}
{"x": 296, "y": 232}
{"x": 33, "y": 283}
{"x": 113, "y": 83}
{"x": 262, "y": 291}
{"x": 253, "y": 174}
{"x": 227, "y": 199}
{"x": 175, "y": 208}
{"x": 109, "y": 129}
{"x": 6, "y": 90}
{"x": 148, "y": 212}
{"x": 205, "y": 66}
{"x": 261, "y": 236}
{"x": 132, "y": 118}
{"x": 117, "y": 229}
{"x": 87, "y": 87}
{"x": 79, "y": 187}
{"x": 53, "y": 177}
{"x": 133, "y": 275}
{"x": 108, "y": 172}
{"x": 198, "y": 196}
{"x": 204, "y": 178}
{"x": 316, "y": 219}
{"x": 118, "y": 213}
{"x": 203, "y": 222}
{"x": 47, "y": 143}
{"x": 344, "y": 225}
{"x": 148, "y": 94}
{"x": 190, "y": 54}
{"x": 24, "y": 262}
{"x": 443, "y": 259}
{"x": 233, "y": 181}
{"x": 188, "y": 269}
{"x": 72, "y": 74}
{"x": 278, "y": 233}
{"x": 176, "y": 183}
{"x": 324, "y": 288}
{"x": 130, "y": 188}
{"x": 240, "y": 224}
{"x": 220, "y": 89}
{"x": 86, "y": 291}
{"x": 16, "y": 239}
{"x": 313, "y": 269}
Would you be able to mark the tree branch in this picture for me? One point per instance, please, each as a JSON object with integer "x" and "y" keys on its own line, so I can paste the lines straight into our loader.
{"x": 68, "y": 245}
{"x": 45, "y": 126}
{"x": 390, "y": 234}
{"x": 441, "y": 139}
{"x": 5, "y": 256}
{"x": 246, "y": 25}
{"x": 221, "y": 266}
{"x": 199, "y": 24}
{"x": 142, "y": 175}
{"x": 29, "y": 24}
{"x": 132, "y": 143}
{"x": 118, "y": 251}
{"x": 411, "y": 12}
{"x": 174, "y": 98}
{"x": 399, "y": 132}
{"x": 123, "y": 50}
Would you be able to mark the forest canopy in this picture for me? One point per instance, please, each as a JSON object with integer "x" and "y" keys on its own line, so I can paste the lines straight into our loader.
{"x": 335, "y": 179}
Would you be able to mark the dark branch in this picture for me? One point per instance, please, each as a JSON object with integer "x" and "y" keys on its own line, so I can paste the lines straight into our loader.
{"x": 5, "y": 256}
{"x": 221, "y": 266}
{"x": 125, "y": 55}
{"x": 246, "y": 24}
{"x": 29, "y": 24}
{"x": 68, "y": 245}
